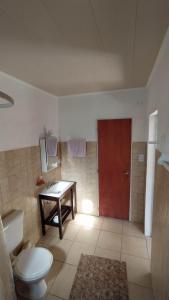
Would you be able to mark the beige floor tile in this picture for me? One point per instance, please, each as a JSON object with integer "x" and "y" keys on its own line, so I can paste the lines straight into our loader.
{"x": 93, "y": 222}
{"x": 59, "y": 248}
{"x": 111, "y": 236}
{"x": 138, "y": 270}
{"x": 79, "y": 219}
{"x": 56, "y": 267}
{"x": 87, "y": 221}
{"x": 69, "y": 218}
{"x": 133, "y": 229}
{"x": 51, "y": 297}
{"x": 112, "y": 225}
{"x": 63, "y": 282}
{"x": 76, "y": 250}
{"x": 70, "y": 231}
{"x": 134, "y": 246}
{"x": 87, "y": 235}
{"x": 109, "y": 240}
{"x": 113, "y": 219}
{"x": 53, "y": 231}
{"x": 45, "y": 240}
{"x": 107, "y": 253}
{"x": 139, "y": 293}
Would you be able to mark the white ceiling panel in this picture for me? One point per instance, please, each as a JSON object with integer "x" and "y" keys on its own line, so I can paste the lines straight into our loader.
{"x": 152, "y": 22}
{"x": 74, "y": 21}
{"x": 116, "y": 21}
{"x": 71, "y": 47}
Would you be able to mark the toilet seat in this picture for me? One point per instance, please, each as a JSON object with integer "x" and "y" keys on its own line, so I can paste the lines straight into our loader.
{"x": 32, "y": 264}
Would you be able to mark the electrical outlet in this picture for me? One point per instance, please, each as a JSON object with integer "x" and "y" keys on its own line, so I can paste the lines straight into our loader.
{"x": 141, "y": 157}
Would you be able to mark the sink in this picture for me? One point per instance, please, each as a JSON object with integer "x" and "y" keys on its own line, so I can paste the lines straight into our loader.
{"x": 57, "y": 187}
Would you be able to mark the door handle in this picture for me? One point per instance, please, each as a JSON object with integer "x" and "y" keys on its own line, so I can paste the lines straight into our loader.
{"x": 126, "y": 172}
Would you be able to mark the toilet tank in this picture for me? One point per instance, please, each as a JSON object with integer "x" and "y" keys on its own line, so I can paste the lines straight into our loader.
{"x": 13, "y": 229}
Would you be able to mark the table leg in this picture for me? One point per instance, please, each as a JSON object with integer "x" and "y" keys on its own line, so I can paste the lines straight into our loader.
{"x": 72, "y": 208}
{"x": 75, "y": 198}
{"x": 42, "y": 216}
{"x": 60, "y": 220}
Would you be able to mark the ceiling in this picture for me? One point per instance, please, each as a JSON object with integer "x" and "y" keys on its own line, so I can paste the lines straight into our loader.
{"x": 77, "y": 46}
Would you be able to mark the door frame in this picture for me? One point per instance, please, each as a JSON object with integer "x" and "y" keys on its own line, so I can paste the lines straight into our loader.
{"x": 116, "y": 118}
{"x": 150, "y": 172}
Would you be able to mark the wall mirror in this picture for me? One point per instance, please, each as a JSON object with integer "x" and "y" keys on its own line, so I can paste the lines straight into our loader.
{"x": 49, "y": 153}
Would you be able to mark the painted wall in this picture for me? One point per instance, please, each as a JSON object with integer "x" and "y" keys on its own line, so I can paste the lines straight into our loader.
{"x": 20, "y": 129}
{"x": 22, "y": 124}
{"x": 158, "y": 94}
{"x": 78, "y": 118}
{"x": 78, "y": 114}
{"x": 73, "y": 116}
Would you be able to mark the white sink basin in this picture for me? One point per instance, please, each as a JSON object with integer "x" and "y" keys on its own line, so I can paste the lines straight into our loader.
{"x": 57, "y": 188}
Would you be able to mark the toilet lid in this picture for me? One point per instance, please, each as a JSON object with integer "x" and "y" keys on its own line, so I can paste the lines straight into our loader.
{"x": 33, "y": 263}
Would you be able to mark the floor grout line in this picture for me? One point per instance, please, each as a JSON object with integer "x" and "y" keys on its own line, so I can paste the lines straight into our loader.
{"x": 111, "y": 232}
{"x": 97, "y": 240}
{"x": 54, "y": 296}
{"x": 140, "y": 257}
{"x": 140, "y": 285}
{"x": 100, "y": 228}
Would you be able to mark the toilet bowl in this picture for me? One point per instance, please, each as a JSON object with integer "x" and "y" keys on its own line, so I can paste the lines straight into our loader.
{"x": 30, "y": 268}
{"x": 31, "y": 265}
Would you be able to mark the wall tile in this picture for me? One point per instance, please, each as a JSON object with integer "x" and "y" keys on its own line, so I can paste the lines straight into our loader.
{"x": 160, "y": 236}
{"x": 138, "y": 181}
{"x": 19, "y": 170}
{"x": 84, "y": 172}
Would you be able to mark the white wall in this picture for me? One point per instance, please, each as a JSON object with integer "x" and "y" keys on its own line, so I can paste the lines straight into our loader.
{"x": 158, "y": 94}
{"x": 22, "y": 124}
{"x": 78, "y": 114}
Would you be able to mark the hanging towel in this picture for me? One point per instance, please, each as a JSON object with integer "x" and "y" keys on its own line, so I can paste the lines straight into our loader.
{"x": 76, "y": 147}
{"x": 51, "y": 144}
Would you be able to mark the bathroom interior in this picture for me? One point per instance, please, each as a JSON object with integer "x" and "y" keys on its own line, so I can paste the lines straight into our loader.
{"x": 84, "y": 149}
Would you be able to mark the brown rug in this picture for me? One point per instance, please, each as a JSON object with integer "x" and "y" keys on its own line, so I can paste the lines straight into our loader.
{"x": 100, "y": 278}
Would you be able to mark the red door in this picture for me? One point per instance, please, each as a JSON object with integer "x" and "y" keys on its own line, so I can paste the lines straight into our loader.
{"x": 114, "y": 152}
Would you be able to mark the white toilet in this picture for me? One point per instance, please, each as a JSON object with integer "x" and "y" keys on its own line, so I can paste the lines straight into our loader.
{"x": 30, "y": 265}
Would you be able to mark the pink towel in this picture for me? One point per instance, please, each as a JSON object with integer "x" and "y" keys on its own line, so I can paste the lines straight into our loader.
{"x": 76, "y": 147}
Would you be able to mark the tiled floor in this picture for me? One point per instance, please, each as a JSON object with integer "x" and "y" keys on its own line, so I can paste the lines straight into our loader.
{"x": 104, "y": 237}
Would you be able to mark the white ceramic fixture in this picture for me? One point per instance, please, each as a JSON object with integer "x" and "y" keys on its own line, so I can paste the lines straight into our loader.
{"x": 31, "y": 265}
